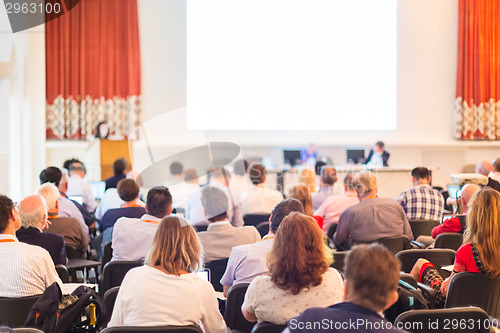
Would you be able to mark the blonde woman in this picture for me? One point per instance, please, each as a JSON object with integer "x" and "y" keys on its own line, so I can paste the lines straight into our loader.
{"x": 481, "y": 250}
{"x": 167, "y": 290}
{"x": 308, "y": 178}
{"x": 301, "y": 193}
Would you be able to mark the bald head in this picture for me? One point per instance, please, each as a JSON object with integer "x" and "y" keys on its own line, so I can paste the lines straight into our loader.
{"x": 484, "y": 168}
{"x": 467, "y": 193}
{"x": 33, "y": 211}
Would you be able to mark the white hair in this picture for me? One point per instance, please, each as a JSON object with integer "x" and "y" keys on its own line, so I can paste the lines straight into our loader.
{"x": 50, "y": 193}
{"x": 34, "y": 217}
{"x": 364, "y": 182}
{"x": 214, "y": 201}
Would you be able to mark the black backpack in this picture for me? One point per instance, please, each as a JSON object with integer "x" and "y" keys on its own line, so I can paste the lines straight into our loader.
{"x": 82, "y": 311}
{"x": 410, "y": 298}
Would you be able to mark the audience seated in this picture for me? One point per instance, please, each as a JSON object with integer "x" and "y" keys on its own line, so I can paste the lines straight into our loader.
{"x": 67, "y": 227}
{"x": 308, "y": 177}
{"x": 167, "y": 290}
{"x": 335, "y": 205}
{"x": 67, "y": 207}
{"x": 371, "y": 280}
{"x": 484, "y": 168}
{"x": 481, "y": 250}
{"x": 132, "y": 237}
{"x": 119, "y": 167}
{"x": 240, "y": 183}
{"x": 259, "y": 199}
{"x": 495, "y": 172}
{"x": 246, "y": 262}
{"x": 182, "y": 184}
{"x": 300, "y": 274}
{"x": 78, "y": 186}
{"x": 328, "y": 177}
{"x": 33, "y": 213}
{"x": 128, "y": 190}
{"x": 195, "y": 214}
{"x": 372, "y": 218}
{"x": 26, "y": 270}
{"x": 378, "y": 156}
{"x": 422, "y": 202}
{"x": 221, "y": 236}
{"x": 301, "y": 193}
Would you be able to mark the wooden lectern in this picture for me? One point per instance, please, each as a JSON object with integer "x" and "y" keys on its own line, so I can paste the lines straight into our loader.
{"x": 111, "y": 150}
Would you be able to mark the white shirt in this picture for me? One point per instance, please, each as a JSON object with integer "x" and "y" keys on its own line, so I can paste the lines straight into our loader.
{"x": 495, "y": 176}
{"x": 110, "y": 200}
{"x": 149, "y": 297}
{"x": 25, "y": 270}
{"x": 240, "y": 185}
{"x": 246, "y": 262}
{"x": 181, "y": 192}
{"x": 275, "y": 305}
{"x": 132, "y": 238}
{"x": 260, "y": 200}
{"x": 78, "y": 186}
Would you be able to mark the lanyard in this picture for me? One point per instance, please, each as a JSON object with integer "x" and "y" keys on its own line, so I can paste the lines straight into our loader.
{"x": 6, "y": 240}
{"x": 266, "y": 237}
{"x": 127, "y": 205}
{"x": 54, "y": 216}
{"x": 151, "y": 221}
{"x": 369, "y": 197}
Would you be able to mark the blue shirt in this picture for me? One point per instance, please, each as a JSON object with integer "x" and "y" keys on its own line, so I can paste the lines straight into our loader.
{"x": 110, "y": 217}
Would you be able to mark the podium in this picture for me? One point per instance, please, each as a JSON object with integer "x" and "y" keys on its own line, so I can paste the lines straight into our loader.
{"x": 101, "y": 155}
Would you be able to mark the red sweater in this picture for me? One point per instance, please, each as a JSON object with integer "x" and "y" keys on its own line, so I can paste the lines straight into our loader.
{"x": 449, "y": 225}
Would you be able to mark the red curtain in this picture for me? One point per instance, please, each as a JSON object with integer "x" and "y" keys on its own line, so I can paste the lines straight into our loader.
{"x": 93, "y": 69}
{"x": 478, "y": 73}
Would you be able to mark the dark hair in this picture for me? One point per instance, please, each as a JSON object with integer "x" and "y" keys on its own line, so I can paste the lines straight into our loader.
{"x": 98, "y": 133}
{"x": 318, "y": 166}
{"x": 328, "y": 175}
{"x": 6, "y": 207}
{"x": 496, "y": 165}
{"x": 257, "y": 173}
{"x": 68, "y": 163}
{"x": 420, "y": 173}
{"x": 282, "y": 209}
{"x": 380, "y": 144}
{"x": 127, "y": 189}
{"x": 240, "y": 167}
{"x": 76, "y": 166}
{"x": 159, "y": 201}
{"x": 119, "y": 166}
{"x": 50, "y": 175}
{"x": 176, "y": 168}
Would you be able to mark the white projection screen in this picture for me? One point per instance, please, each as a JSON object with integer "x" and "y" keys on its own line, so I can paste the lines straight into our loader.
{"x": 291, "y": 64}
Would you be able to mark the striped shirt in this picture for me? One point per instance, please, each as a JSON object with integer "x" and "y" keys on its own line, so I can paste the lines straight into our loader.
{"x": 25, "y": 270}
{"x": 422, "y": 202}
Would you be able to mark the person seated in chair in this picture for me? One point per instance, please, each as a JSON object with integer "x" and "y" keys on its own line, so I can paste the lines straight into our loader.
{"x": 221, "y": 236}
{"x": 119, "y": 168}
{"x": 259, "y": 199}
{"x": 378, "y": 156}
{"x": 33, "y": 212}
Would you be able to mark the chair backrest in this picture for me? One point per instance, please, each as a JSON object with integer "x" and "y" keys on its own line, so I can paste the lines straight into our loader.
{"x": 263, "y": 228}
{"x": 266, "y": 327}
{"x": 115, "y": 271}
{"x": 14, "y": 311}
{"x": 449, "y": 240}
{"x": 233, "y": 316}
{"x": 63, "y": 273}
{"x": 439, "y": 257}
{"x": 109, "y": 302}
{"x": 471, "y": 289}
{"x": 339, "y": 259}
{"x": 395, "y": 243}
{"x": 457, "y": 320}
{"x": 422, "y": 227}
{"x": 107, "y": 254}
{"x": 331, "y": 230}
{"x": 158, "y": 329}
{"x": 200, "y": 228}
{"x": 217, "y": 269}
{"x": 72, "y": 253}
{"x": 254, "y": 219}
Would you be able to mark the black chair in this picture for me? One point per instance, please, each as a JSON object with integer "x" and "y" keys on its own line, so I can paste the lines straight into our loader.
{"x": 19, "y": 330}
{"x": 422, "y": 227}
{"x": 471, "y": 289}
{"x": 266, "y": 327}
{"x": 233, "y": 316}
{"x": 331, "y": 230}
{"x": 107, "y": 254}
{"x": 263, "y": 228}
{"x": 438, "y": 257}
{"x": 217, "y": 269}
{"x": 445, "y": 320}
{"x": 395, "y": 243}
{"x": 255, "y": 219}
{"x": 449, "y": 240}
{"x": 63, "y": 273}
{"x": 157, "y": 329}
{"x": 114, "y": 272}
{"x": 200, "y": 228}
{"x": 72, "y": 253}
{"x": 14, "y": 311}
{"x": 109, "y": 302}
{"x": 339, "y": 259}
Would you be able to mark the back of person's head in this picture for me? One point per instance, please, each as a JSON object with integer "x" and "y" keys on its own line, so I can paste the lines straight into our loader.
{"x": 301, "y": 193}
{"x": 483, "y": 229}
{"x": 50, "y": 175}
{"x": 76, "y": 168}
{"x": 299, "y": 256}
{"x": 348, "y": 184}
{"x": 220, "y": 175}
{"x": 240, "y": 167}
{"x": 282, "y": 209}
{"x": 50, "y": 193}
{"x": 119, "y": 166}
{"x": 190, "y": 175}
{"x": 308, "y": 177}
{"x": 6, "y": 211}
{"x": 372, "y": 276}
{"x": 70, "y": 161}
{"x": 33, "y": 211}
{"x": 318, "y": 166}
{"x": 175, "y": 247}
{"x": 420, "y": 173}
{"x": 468, "y": 192}
{"x": 328, "y": 175}
{"x": 483, "y": 167}
{"x": 380, "y": 144}
{"x": 176, "y": 168}
{"x": 257, "y": 173}
{"x": 496, "y": 165}
{"x": 364, "y": 182}
{"x": 215, "y": 203}
{"x": 159, "y": 202}
{"x": 127, "y": 189}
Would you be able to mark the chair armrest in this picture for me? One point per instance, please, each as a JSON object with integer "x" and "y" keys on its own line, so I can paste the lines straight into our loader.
{"x": 429, "y": 294}
{"x": 417, "y": 245}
